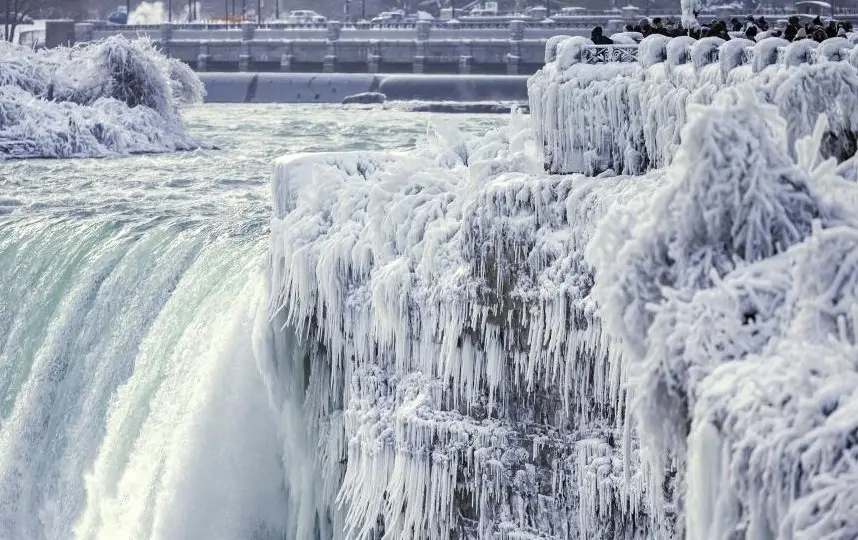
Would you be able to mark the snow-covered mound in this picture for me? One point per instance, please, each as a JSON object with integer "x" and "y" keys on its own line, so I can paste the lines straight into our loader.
{"x": 112, "y": 97}
{"x": 628, "y": 116}
{"x": 464, "y": 347}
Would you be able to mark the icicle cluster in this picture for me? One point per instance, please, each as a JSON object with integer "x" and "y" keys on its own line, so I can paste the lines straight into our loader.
{"x": 732, "y": 289}
{"x": 463, "y": 387}
{"x": 112, "y": 97}
{"x": 628, "y": 116}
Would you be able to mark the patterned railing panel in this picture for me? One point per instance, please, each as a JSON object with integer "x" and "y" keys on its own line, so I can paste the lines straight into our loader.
{"x": 603, "y": 54}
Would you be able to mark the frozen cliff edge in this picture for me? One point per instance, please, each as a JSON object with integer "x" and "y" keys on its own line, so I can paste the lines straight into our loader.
{"x": 484, "y": 351}
{"x": 114, "y": 97}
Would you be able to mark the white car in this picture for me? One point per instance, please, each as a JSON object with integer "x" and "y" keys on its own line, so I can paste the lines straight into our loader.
{"x": 305, "y": 16}
{"x": 389, "y": 17}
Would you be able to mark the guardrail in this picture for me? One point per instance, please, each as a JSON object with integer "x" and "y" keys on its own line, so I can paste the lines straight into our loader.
{"x": 602, "y": 54}
{"x": 512, "y": 49}
{"x": 463, "y": 25}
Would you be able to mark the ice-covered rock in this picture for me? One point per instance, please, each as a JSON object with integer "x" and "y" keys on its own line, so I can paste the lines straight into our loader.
{"x": 111, "y": 97}
{"x": 365, "y": 98}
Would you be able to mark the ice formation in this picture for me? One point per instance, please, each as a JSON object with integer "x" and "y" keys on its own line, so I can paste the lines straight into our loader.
{"x": 112, "y": 97}
{"x": 628, "y": 116}
{"x": 486, "y": 351}
{"x": 447, "y": 395}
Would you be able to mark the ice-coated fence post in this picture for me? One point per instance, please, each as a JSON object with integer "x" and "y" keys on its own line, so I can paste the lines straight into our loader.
{"x": 245, "y": 57}
{"x": 424, "y": 28}
{"x": 419, "y": 62}
{"x": 287, "y": 57}
{"x": 516, "y": 30}
{"x": 247, "y": 31}
{"x": 334, "y": 28}
{"x": 513, "y": 57}
{"x": 466, "y": 56}
{"x": 373, "y": 60}
{"x": 330, "y": 61}
{"x": 203, "y": 57}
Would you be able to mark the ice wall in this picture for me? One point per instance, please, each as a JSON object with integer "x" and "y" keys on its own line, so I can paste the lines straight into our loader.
{"x": 111, "y": 97}
{"x": 628, "y": 116}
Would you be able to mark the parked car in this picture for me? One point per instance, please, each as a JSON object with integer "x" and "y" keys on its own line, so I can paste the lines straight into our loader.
{"x": 489, "y": 9}
{"x": 389, "y": 17}
{"x": 305, "y": 16}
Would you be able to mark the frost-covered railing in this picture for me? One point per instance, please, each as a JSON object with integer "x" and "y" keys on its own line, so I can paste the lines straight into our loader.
{"x": 627, "y": 115}
{"x": 600, "y": 54}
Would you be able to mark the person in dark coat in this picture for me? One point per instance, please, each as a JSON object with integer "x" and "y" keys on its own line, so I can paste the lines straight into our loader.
{"x": 597, "y": 38}
{"x": 790, "y": 32}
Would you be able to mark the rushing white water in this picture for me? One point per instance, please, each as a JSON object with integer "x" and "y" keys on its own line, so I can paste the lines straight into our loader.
{"x": 132, "y": 294}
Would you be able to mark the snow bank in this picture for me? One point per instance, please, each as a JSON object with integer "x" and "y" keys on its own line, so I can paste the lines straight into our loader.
{"x": 628, "y": 116}
{"x": 112, "y": 97}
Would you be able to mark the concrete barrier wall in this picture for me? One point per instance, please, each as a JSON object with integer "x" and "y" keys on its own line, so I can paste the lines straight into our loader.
{"x": 333, "y": 87}
{"x": 285, "y": 87}
{"x": 454, "y": 87}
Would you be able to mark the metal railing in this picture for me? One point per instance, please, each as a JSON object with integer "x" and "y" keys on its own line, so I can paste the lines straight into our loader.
{"x": 604, "y": 54}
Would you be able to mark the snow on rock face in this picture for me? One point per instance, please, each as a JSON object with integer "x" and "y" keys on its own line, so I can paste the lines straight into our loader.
{"x": 110, "y": 97}
{"x": 628, "y": 116}
{"x": 748, "y": 215}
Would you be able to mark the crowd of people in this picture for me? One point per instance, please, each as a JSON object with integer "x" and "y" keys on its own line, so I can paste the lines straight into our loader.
{"x": 752, "y": 28}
